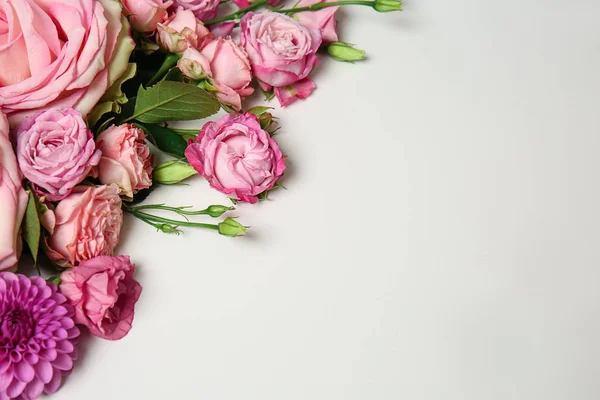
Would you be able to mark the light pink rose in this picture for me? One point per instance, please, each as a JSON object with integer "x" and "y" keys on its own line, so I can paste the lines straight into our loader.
{"x": 56, "y": 151}
{"x": 282, "y": 51}
{"x": 203, "y": 9}
{"x": 145, "y": 15}
{"x": 227, "y": 67}
{"x": 222, "y": 29}
{"x": 62, "y": 53}
{"x": 237, "y": 157}
{"x": 86, "y": 224}
{"x": 324, "y": 19}
{"x": 13, "y": 200}
{"x": 103, "y": 292}
{"x": 126, "y": 159}
{"x": 181, "y": 31}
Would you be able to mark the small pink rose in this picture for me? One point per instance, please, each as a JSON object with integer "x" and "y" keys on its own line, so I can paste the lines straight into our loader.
{"x": 227, "y": 67}
{"x": 181, "y": 31}
{"x": 56, "y": 151}
{"x": 323, "y": 20}
{"x": 103, "y": 292}
{"x": 126, "y": 159}
{"x": 281, "y": 50}
{"x": 13, "y": 200}
{"x": 145, "y": 15}
{"x": 87, "y": 224}
{"x": 203, "y": 9}
{"x": 237, "y": 157}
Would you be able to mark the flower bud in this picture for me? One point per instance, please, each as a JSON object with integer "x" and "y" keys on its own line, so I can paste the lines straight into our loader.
{"x": 167, "y": 228}
{"x": 345, "y": 52}
{"x": 387, "y": 5}
{"x": 216, "y": 211}
{"x": 230, "y": 227}
{"x": 172, "y": 172}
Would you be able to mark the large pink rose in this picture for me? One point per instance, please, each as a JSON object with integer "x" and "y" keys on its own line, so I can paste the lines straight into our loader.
{"x": 282, "y": 52}
{"x": 126, "y": 159}
{"x": 237, "y": 157}
{"x": 324, "y": 19}
{"x": 145, "y": 15}
{"x": 86, "y": 224}
{"x": 227, "y": 67}
{"x": 59, "y": 53}
{"x": 204, "y": 9}
{"x": 103, "y": 292}
{"x": 56, "y": 151}
{"x": 181, "y": 31}
{"x": 13, "y": 200}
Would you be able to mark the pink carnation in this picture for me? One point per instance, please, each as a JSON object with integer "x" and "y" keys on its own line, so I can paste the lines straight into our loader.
{"x": 104, "y": 294}
{"x": 237, "y": 156}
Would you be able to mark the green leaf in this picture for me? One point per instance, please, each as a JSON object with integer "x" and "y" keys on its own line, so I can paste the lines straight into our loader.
{"x": 114, "y": 97}
{"x": 259, "y": 110}
{"x": 32, "y": 226}
{"x": 165, "y": 139}
{"x": 169, "y": 101}
{"x": 54, "y": 279}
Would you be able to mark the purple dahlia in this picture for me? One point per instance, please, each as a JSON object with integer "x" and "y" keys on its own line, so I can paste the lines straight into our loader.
{"x": 37, "y": 337}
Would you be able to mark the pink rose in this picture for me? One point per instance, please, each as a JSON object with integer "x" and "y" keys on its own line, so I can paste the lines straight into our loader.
{"x": 227, "y": 67}
{"x": 13, "y": 200}
{"x": 145, "y": 15}
{"x": 126, "y": 159}
{"x": 323, "y": 20}
{"x": 183, "y": 30}
{"x": 282, "y": 51}
{"x": 56, "y": 151}
{"x": 203, "y": 9}
{"x": 237, "y": 157}
{"x": 103, "y": 292}
{"x": 86, "y": 224}
{"x": 56, "y": 54}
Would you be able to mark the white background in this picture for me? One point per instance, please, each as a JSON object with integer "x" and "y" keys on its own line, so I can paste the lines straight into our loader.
{"x": 439, "y": 238}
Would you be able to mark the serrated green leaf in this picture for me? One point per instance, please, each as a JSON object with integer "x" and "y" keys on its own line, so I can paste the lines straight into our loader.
{"x": 32, "y": 227}
{"x": 259, "y": 110}
{"x": 170, "y": 101}
{"x": 165, "y": 139}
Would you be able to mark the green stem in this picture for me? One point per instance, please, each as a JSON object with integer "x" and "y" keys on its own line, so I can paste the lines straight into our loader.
{"x": 178, "y": 210}
{"x": 170, "y": 62}
{"x": 238, "y": 14}
{"x": 319, "y": 6}
{"x": 149, "y": 217}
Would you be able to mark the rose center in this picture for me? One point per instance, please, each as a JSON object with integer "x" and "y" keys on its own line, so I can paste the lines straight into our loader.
{"x": 282, "y": 42}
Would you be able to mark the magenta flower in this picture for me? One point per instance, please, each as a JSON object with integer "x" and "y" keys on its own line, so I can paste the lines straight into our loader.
{"x": 37, "y": 343}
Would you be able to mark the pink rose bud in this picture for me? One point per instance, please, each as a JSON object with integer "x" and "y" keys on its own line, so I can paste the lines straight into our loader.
{"x": 183, "y": 30}
{"x": 126, "y": 159}
{"x": 103, "y": 292}
{"x": 145, "y": 15}
{"x": 230, "y": 71}
{"x": 225, "y": 65}
{"x": 86, "y": 224}
{"x": 13, "y": 200}
{"x": 203, "y": 9}
{"x": 56, "y": 151}
{"x": 60, "y": 54}
{"x": 237, "y": 157}
{"x": 323, "y": 20}
{"x": 281, "y": 50}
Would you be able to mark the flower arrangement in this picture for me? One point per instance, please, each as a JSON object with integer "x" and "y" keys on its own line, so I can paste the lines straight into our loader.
{"x": 88, "y": 90}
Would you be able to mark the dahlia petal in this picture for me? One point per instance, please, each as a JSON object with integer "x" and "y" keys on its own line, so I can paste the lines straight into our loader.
{"x": 35, "y": 389}
{"x": 5, "y": 380}
{"x": 24, "y": 372}
{"x": 43, "y": 370}
{"x": 15, "y": 388}
{"x": 63, "y": 362}
{"x": 54, "y": 383}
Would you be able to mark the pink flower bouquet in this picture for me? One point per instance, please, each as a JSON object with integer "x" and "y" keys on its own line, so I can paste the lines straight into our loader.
{"x": 88, "y": 89}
